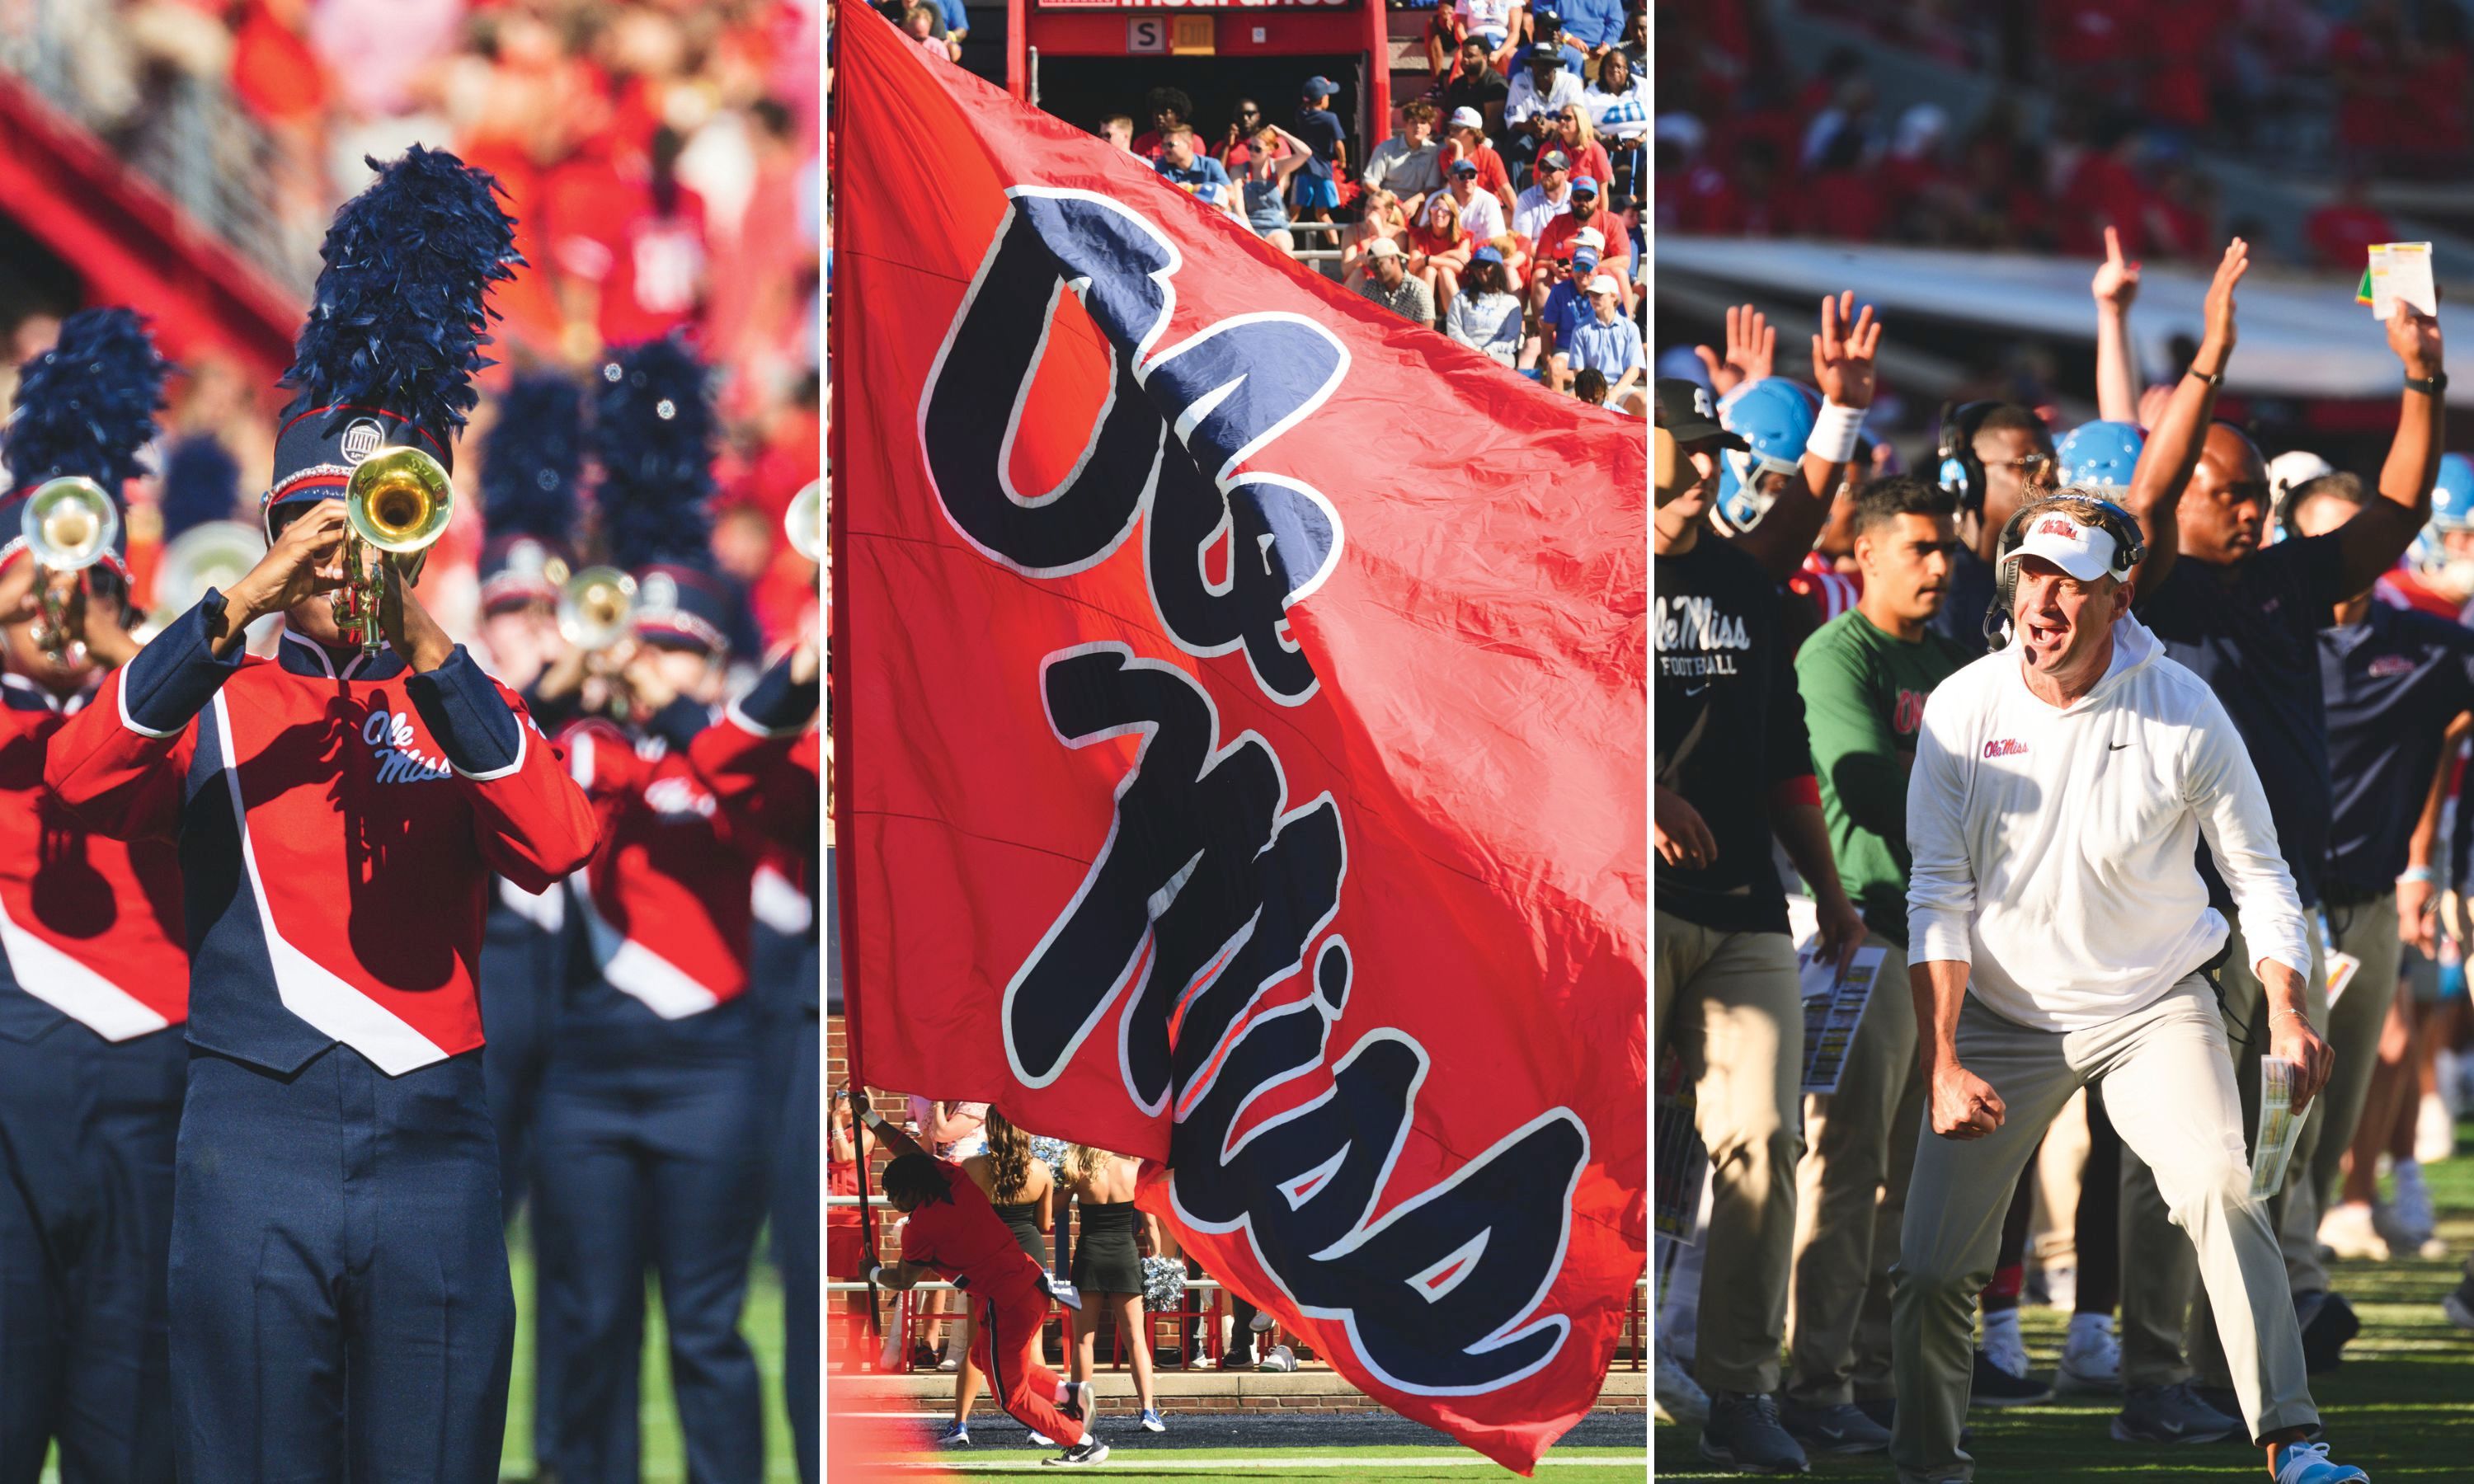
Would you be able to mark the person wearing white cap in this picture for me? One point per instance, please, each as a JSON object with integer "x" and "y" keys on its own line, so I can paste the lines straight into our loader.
{"x": 2057, "y": 926}
{"x": 1609, "y": 343}
{"x": 1466, "y": 140}
{"x": 1388, "y": 283}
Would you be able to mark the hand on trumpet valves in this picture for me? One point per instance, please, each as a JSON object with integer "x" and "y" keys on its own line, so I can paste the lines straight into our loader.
{"x": 99, "y": 616}
{"x": 305, "y": 562}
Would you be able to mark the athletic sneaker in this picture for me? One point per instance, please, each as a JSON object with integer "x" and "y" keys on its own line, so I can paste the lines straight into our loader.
{"x": 1093, "y": 1452}
{"x": 1081, "y": 1401}
{"x": 1042, "y": 1440}
{"x": 2458, "y": 1306}
{"x": 2309, "y": 1462}
{"x": 2411, "y": 1205}
{"x": 1993, "y": 1386}
{"x": 2434, "y": 1131}
{"x": 1150, "y": 1420}
{"x": 2350, "y": 1233}
{"x": 1678, "y": 1398}
{"x": 1833, "y": 1429}
{"x": 2170, "y": 1414}
{"x": 1743, "y": 1433}
{"x": 954, "y": 1435}
{"x": 1261, "y": 1323}
{"x": 2002, "y": 1343}
{"x": 949, "y": 1365}
{"x": 2328, "y": 1322}
{"x": 2091, "y": 1355}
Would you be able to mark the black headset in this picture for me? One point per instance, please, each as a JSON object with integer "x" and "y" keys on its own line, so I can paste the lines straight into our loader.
{"x": 1963, "y": 472}
{"x": 2129, "y": 549}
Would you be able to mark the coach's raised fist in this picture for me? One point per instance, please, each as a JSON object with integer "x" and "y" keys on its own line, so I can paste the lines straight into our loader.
{"x": 1964, "y": 1105}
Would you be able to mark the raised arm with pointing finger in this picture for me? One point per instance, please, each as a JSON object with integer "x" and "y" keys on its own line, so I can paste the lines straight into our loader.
{"x": 1842, "y": 368}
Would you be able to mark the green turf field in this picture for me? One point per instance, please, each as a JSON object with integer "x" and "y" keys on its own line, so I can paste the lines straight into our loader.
{"x": 2401, "y": 1407}
{"x": 1375, "y": 1465}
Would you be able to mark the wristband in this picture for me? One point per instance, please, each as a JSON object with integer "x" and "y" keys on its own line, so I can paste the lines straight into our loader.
{"x": 876, "y": 1274}
{"x": 2429, "y": 386}
{"x": 1833, "y": 433}
{"x": 2216, "y": 381}
{"x": 2418, "y": 874}
{"x": 873, "y": 1119}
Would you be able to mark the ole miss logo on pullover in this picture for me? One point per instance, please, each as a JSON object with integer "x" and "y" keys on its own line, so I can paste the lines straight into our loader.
{"x": 667, "y": 896}
{"x": 90, "y": 927}
{"x": 338, "y": 820}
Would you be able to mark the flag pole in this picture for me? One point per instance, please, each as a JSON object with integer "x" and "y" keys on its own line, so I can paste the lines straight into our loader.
{"x": 845, "y": 882}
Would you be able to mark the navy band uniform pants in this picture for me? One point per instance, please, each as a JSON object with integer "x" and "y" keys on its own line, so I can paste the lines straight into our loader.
{"x": 797, "y": 1230}
{"x": 340, "y": 1303}
{"x": 87, "y": 1130}
{"x": 650, "y": 1158}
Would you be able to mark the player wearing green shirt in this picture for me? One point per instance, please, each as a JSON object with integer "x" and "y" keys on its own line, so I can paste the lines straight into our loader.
{"x": 1864, "y": 677}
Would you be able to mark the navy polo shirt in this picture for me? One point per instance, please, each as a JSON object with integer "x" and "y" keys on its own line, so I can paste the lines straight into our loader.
{"x": 2393, "y": 683}
{"x": 2251, "y": 630}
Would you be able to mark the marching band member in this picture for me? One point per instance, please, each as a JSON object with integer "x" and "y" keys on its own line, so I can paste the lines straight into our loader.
{"x": 766, "y": 762}
{"x": 95, "y": 977}
{"x": 650, "y": 1118}
{"x": 340, "y": 1302}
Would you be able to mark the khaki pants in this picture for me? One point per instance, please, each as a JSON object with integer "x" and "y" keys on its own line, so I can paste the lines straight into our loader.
{"x": 1730, "y": 1005}
{"x": 2368, "y": 932}
{"x": 2168, "y": 1084}
{"x": 1859, "y": 1144}
{"x": 2246, "y": 1008}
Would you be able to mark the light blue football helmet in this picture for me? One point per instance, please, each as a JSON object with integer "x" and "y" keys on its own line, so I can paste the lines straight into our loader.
{"x": 2452, "y": 509}
{"x": 2100, "y": 456}
{"x": 1775, "y": 415}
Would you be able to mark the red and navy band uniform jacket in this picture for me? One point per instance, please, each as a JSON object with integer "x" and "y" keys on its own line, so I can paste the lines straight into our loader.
{"x": 338, "y": 818}
{"x": 665, "y": 898}
{"x": 765, "y": 763}
{"x": 90, "y": 927}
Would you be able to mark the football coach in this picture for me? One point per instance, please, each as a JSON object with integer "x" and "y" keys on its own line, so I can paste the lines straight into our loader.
{"x": 2059, "y": 929}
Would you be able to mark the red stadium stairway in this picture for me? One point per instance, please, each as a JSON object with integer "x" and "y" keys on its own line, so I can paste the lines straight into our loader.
{"x": 130, "y": 243}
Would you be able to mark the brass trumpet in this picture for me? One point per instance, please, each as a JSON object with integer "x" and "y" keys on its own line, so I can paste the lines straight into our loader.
{"x": 596, "y": 607}
{"x": 398, "y": 503}
{"x": 805, "y": 521}
{"x": 69, "y": 524}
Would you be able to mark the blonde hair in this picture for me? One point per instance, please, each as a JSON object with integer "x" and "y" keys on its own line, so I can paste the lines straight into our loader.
{"x": 1087, "y": 1162}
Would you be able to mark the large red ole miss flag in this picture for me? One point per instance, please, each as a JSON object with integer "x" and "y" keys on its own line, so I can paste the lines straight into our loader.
{"x": 1240, "y": 718}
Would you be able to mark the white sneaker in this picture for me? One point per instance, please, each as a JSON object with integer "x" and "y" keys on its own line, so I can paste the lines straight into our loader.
{"x": 2309, "y": 1462}
{"x": 1675, "y": 1395}
{"x": 2434, "y": 1131}
{"x": 1261, "y": 1323}
{"x": 2091, "y": 1355}
{"x": 2348, "y": 1231}
{"x": 2062, "y": 1287}
{"x": 2003, "y": 1344}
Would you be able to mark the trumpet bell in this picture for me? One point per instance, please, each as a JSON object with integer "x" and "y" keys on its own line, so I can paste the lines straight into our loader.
{"x": 215, "y": 554}
{"x": 805, "y": 521}
{"x": 596, "y": 607}
{"x": 69, "y": 524}
{"x": 400, "y": 500}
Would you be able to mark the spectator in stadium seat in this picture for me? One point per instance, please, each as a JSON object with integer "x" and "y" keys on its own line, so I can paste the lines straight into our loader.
{"x": 1498, "y": 25}
{"x": 1484, "y": 316}
{"x": 1594, "y": 26}
{"x": 923, "y": 25}
{"x": 1864, "y": 676}
{"x": 1409, "y": 164}
{"x": 1380, "y": 220}
{"x": 1273, "y": 157}
{"x": 1619, "y": 104}
{"x": 1439, "y": 248}
{"x": 1567, "y": 305}
{"x": 2342, "y": 230}
{"x": 1318, "y": 184}
{"x": 1546, "y": 33}
{"x": 1117, "y": 130}
{"x": 955, "y": 23}
{"x": 1468, "y": 141}
{"x": 1590, "y": 387}
{"x": 1477, "y": 86}
{"x": 1575, "y": 136}
{"x": 1199, "y": 176}
{"x": 1538, "y": 92}
{"x": 1588, "y": 214}
{"x": 1235, "y": 152}
{"x": 1609, "y": 342}
{"x": 1168, "y": 108}
{"x": 1547, "y": 198}
{"x": 1388, "y": 284}
{"x": 1482, "y": 213}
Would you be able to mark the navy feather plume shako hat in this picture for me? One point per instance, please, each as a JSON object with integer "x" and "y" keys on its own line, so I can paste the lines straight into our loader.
{"x": 652, "y": 432}
{"x": 86, "y": 408}
{"x": 532, "y": 460}
{"x": 394, "y": 337}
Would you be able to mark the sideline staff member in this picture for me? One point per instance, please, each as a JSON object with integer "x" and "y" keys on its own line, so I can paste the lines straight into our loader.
{"x": 2060, "y": 786}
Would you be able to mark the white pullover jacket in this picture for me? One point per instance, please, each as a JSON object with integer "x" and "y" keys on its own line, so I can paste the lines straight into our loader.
{"x": 2055, "y": 847}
